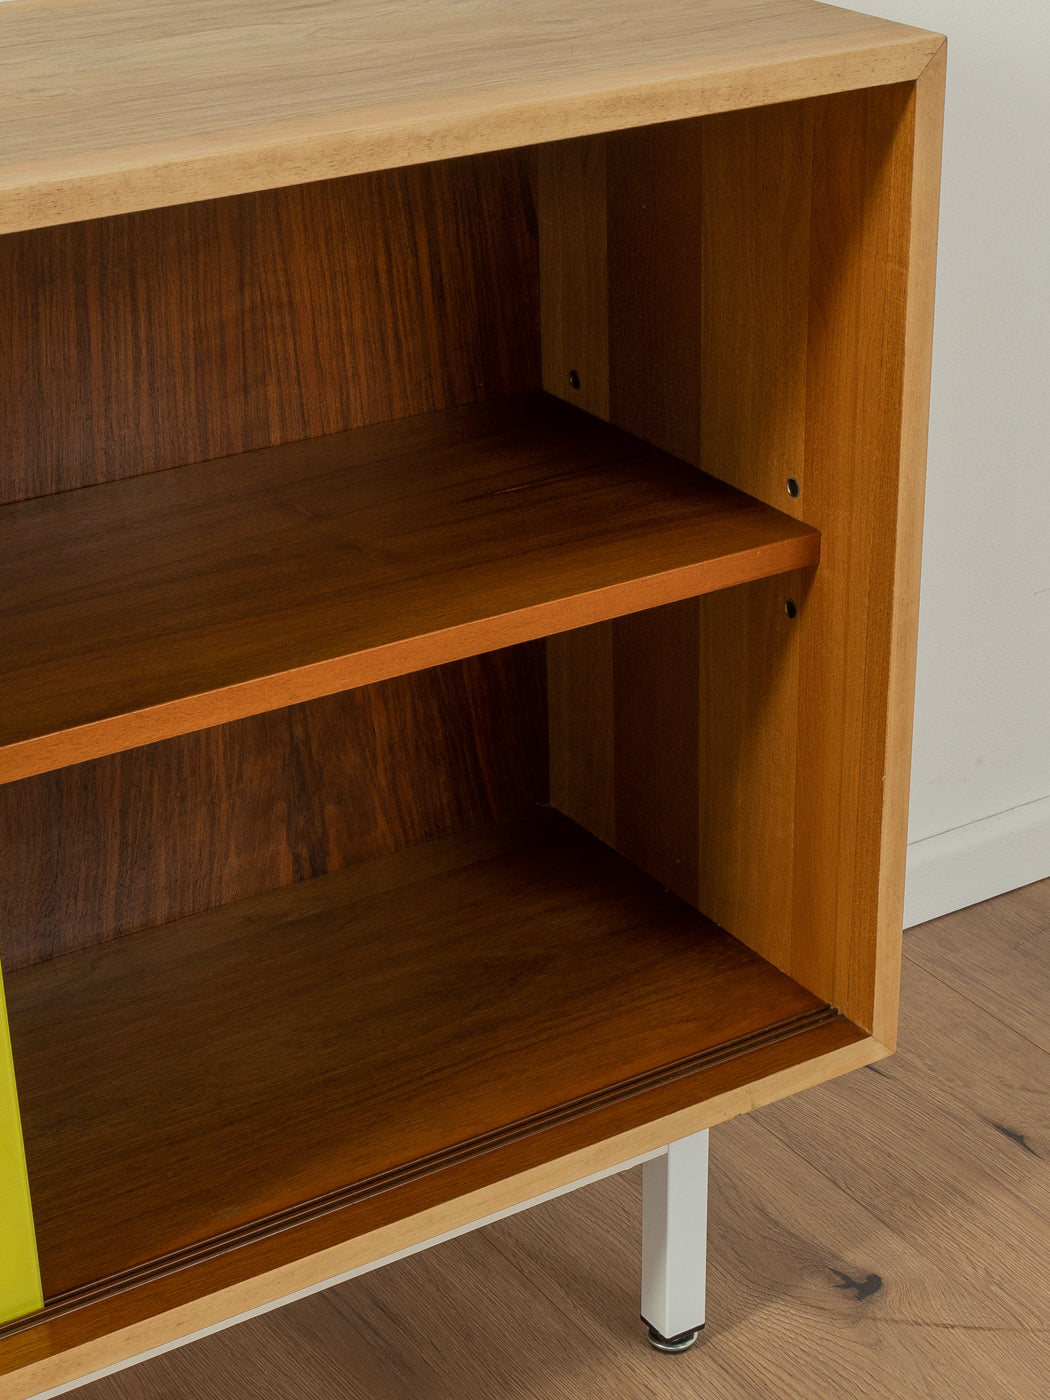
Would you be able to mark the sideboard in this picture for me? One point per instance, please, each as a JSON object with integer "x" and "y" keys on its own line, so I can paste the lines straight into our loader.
{"x": 461, "y": 484}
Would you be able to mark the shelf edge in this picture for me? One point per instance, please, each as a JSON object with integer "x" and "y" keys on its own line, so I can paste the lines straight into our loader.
{"x": 107, "y": 1334}
{"x": 188, "y": 714}
{"x": 397, "y": 1176}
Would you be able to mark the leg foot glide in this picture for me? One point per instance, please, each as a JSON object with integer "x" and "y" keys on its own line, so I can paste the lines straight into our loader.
{"x": 672, "y": 1345}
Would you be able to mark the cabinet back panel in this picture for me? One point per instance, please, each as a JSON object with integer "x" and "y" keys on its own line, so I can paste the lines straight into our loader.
{"x": 177, "y": 335}
{"x": 141, "y": 838}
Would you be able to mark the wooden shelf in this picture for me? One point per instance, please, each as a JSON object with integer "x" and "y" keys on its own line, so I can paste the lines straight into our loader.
{"x": 188, "y": 1089}
{"x": 141, "y": 609}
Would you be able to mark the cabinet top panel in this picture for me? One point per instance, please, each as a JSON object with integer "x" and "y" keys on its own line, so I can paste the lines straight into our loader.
{"x": 107, "y": 106}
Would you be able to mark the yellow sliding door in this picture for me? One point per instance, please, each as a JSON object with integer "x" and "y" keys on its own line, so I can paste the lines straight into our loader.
{"x": 20, "y": 1291}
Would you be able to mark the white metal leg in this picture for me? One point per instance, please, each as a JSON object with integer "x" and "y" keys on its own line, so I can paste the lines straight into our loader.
{"x": 674, "y": 1243}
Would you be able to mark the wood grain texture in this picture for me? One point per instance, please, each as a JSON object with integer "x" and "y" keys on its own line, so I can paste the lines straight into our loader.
{"x": 623, "y": 738}
{"x": 653, "y": 306}
{"x": 755, "y": 236}
{"x": 623, "y": 696}
{"x": 98, "y": 1334}
{"x": 783, "y": 1245}
{"x": 573, "y": 230}
{"x": 620, "y": 279}
{"x": 721, "y": 374}
{"x": 790, "y": 1251}
{"x": 927, "y": 120}
{"x": 807, "y": 361}
{"x": 951, "y": 1142}
{"x": 1008, "y": 974}
{"x": 749, "y": 659}
{"x": 811, "y": 1295}
{"x": 106, "y": 111}
{"x": 139, "y": 839}
{"x": 860, "y": 486}
{"x": 656, "y": 763}
{"x": 812, "y": 364}
{"x": 710, "y": 225}
{"x": 142, "y": 609}
{"x": 582, "y": 716}
{"x": 831, "y": 688}
{"x": 279, "y": 1052}
{"x": 180, "y": 335}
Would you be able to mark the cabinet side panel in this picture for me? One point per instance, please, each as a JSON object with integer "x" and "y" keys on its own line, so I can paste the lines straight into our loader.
{"x": 805, "y": 266}
{"x": 858, "y": 293}
{"x": 922, "y": 256}
{"x": 177, "y": 335}
{"x": 812, "y": 361}
{"x": 20, "y": 1289}
{"x": 144, "y": 837}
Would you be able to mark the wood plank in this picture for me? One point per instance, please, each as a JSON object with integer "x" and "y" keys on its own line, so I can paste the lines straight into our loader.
{"x": 812, "y": 366}
{"x": 754, "y": 231}
{"x": 55, "y": 1350}
{"x": 707, "y": 307}
{"x": 561, "y": 1323}
{"x": 562, "y": 1278}
{"x": 582, "y": 717}
{"x": 142, "y": 609}
{"x": 782, "y": 312}
{"x": 106, "y": 111}
{"x": 926, "y": 122}
{"x": 949, "y": 1142}
{"x": 655, "y": 705}
{"x": 806, "y": 277}
{"x": 574, "y": 320}
{"x": 860, "y": 484}
{"x": 274, "y": 1054}
{"x": 139, "y": 839}
{"x": 786, "y": 1231}
{"x": 994, "y": 954}
{"x": 790, "y": 244}
{"x": 624, "y": 695}
{"x": 180, "y": 335}
{"x": 749, "y": 660}
{"x": 624, "y": 742}
{"x": 653, "y": 311}
{"x": 754, "y": 235}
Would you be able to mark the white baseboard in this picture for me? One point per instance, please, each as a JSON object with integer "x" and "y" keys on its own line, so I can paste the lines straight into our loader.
{"x": 975, "y": 862}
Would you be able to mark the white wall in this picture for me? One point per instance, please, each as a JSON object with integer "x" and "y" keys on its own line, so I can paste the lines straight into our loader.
{"x": 980, "y": 805}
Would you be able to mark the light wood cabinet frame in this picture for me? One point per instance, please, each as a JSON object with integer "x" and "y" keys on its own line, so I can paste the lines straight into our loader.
{"x": 395, "y": 451}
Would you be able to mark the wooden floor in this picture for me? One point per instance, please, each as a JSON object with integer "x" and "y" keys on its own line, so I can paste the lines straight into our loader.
{"x": 887, "y": 1236}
